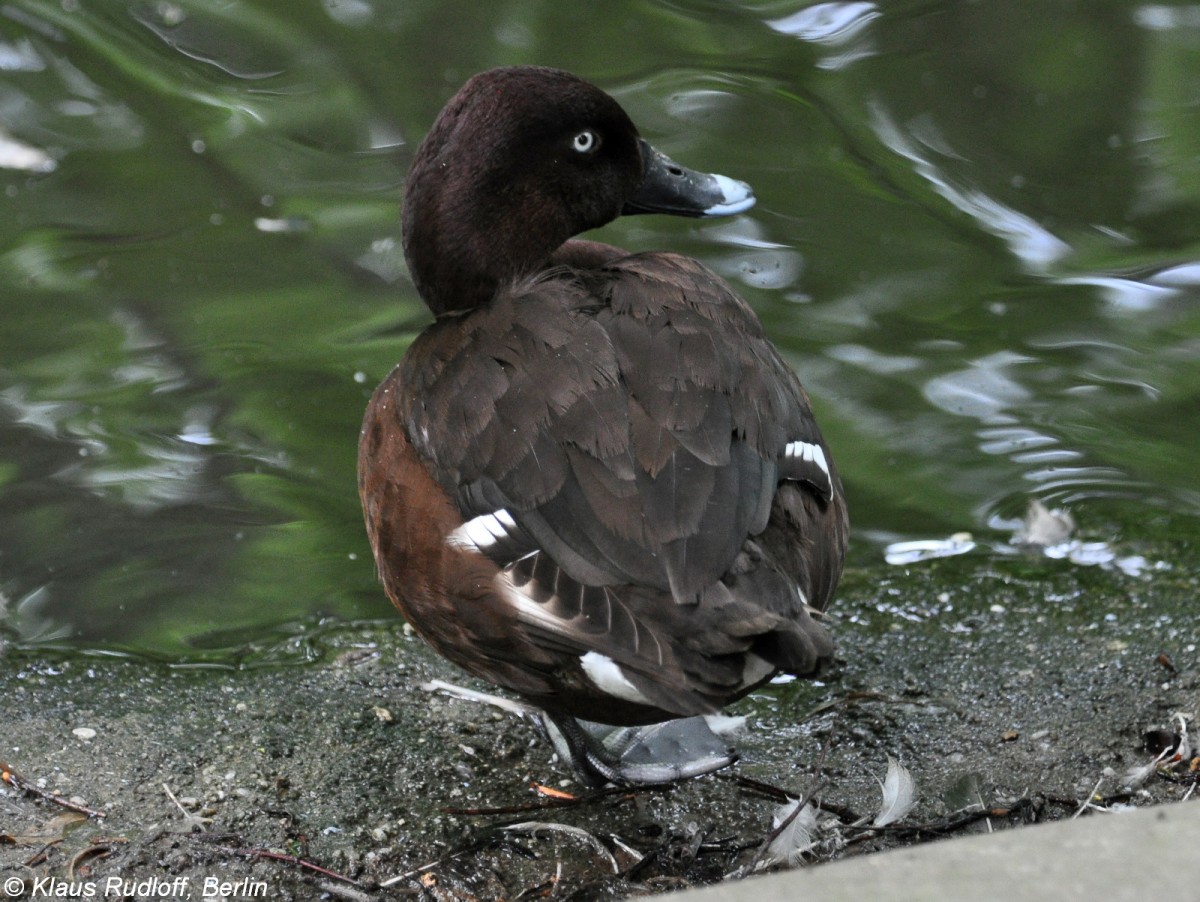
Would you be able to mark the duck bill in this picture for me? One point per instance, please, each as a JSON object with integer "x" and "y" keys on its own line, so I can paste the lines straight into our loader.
{"x": 670, "y": 188}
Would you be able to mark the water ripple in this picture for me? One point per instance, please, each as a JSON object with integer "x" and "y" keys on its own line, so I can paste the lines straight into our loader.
{"x": 983, "y": 390}
{"x": 1030, "y": 242}
{"x": 840, "y": 26}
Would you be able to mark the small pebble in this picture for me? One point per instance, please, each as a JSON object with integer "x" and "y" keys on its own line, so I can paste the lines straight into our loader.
{"x": 84, "y": 733}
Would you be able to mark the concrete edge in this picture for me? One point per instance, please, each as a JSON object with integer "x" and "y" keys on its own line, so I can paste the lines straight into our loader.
{"x": 1134, "y": 855}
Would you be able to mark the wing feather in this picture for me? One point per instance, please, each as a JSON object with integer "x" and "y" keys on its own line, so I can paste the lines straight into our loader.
{"x": 634, "y": 423}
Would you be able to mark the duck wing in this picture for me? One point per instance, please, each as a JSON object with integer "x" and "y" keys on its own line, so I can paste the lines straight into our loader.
{"x": 631, "y": 452}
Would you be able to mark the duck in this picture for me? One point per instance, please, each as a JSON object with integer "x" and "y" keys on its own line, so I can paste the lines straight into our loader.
{"x": 592, "y": 480}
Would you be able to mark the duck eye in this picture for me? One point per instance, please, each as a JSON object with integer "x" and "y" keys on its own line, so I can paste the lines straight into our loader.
{"x": 586, "y": 141}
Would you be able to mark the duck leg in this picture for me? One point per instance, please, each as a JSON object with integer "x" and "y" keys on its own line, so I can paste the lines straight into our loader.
{"x": 626, "y": 756}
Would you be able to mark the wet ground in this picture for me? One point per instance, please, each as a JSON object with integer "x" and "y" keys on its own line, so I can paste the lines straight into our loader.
{"x": 993, "y": 681}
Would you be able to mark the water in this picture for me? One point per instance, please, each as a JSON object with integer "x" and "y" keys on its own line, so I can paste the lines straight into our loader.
{"x": 977, "y": 240}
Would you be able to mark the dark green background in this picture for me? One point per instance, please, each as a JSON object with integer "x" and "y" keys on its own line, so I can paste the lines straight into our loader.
{"x": 977, "y": 240}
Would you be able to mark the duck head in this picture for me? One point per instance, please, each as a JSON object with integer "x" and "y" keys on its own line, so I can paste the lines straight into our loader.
{"x": 520, "y": 160}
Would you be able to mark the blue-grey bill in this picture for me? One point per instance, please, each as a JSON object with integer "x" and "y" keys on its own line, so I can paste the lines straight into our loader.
{"x": 668, "y": 187}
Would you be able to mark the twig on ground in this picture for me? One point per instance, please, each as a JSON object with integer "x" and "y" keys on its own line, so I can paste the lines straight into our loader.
{"x": 96, "y": 850}
{"x": 280, "y": 857}
{"x": 598, "y": 795}
{"x": 534, "y": 827}
{"x": 7, "y": 775}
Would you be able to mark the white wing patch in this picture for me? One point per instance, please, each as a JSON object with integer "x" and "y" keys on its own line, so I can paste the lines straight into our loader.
{"x": 807, "y": 451}
{"x": 607, "y": 676}
{"x": 484, "y": 531}
{"x": 806, "y": 462}
{"x": 605, "y": 673}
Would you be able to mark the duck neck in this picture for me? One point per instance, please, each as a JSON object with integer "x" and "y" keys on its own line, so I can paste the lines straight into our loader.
{"x": 460, "y": 252}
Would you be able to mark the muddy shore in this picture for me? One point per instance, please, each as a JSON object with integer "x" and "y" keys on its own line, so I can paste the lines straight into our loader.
{"x": 1014, "y": 691}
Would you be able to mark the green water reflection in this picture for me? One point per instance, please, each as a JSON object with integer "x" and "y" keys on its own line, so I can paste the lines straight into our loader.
{"x": 977, "y": 239}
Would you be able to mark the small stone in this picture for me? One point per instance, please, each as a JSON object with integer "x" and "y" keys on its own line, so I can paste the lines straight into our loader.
{"x": 84, "y": 733}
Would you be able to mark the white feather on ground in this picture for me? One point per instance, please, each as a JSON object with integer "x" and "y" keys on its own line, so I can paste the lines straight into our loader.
{"x": 793, "y": 840}
{"x": 899, "y": 794}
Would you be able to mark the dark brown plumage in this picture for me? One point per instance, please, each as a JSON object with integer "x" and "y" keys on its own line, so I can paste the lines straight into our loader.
{"x": 592, "y": 480}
